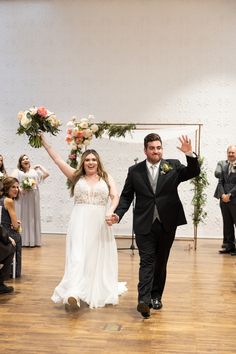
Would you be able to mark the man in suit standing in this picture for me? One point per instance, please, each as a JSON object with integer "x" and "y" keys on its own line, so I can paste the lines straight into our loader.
{"x": 157, "y": 213}
{"x": 226, "y": 192}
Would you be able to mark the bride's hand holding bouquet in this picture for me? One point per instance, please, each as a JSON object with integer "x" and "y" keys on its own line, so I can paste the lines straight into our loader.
{"x": 37, "y": 119}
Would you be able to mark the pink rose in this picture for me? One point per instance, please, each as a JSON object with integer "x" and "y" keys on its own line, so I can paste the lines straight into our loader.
{"x": 42, "y": 112}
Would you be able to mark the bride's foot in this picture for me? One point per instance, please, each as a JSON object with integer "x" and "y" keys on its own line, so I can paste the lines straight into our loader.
{"x": 74, "y": 303}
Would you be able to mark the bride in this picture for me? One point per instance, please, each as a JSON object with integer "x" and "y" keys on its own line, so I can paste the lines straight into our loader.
{"x": 91, "y": 267}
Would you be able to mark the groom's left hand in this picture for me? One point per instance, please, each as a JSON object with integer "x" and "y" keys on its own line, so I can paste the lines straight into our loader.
{"x": 186, "y": 145}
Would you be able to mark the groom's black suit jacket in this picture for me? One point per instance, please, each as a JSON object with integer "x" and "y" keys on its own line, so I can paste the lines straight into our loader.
{"x": 165, "y": 198}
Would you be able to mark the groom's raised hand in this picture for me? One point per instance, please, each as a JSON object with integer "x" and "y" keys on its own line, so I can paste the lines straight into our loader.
{"x": 186, "y": 145}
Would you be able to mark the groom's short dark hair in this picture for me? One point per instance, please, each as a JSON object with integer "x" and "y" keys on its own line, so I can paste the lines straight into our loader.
{"x": 151, "y": 137}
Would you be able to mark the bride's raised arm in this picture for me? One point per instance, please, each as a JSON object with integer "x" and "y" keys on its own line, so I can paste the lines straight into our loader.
{"x": 63, "y": 166}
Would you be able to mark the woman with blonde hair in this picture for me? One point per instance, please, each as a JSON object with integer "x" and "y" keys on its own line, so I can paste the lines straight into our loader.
{"x": 91, "y": 268}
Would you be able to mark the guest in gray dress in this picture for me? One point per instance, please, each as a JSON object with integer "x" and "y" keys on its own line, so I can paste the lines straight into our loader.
{"x": 28, "y": 207}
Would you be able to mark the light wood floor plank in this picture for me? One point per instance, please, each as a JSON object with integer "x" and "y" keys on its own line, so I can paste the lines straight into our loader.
{"x": 198, "y": 316}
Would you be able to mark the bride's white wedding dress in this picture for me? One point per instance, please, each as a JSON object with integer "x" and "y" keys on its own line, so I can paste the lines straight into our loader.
{"x": 91, "y": 268}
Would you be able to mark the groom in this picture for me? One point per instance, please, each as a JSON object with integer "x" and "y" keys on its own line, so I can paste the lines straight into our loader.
{"x": 157, "y": 213}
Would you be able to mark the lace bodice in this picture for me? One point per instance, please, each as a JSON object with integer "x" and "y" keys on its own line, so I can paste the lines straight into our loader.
{"x": 85, "y": 194}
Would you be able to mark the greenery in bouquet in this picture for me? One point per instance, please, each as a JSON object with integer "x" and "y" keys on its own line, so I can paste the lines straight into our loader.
{"x": 34, "y": 120}
{"x": 28, "y": 183}
{"x": 79, "y": 134}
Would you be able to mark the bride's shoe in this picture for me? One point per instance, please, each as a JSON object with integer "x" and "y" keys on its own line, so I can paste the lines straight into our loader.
{"x": 74, "y": 303}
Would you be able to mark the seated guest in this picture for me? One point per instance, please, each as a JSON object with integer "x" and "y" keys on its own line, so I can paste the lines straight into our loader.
{"x": 7, "y": 250}
{"x": 10, "y": 192}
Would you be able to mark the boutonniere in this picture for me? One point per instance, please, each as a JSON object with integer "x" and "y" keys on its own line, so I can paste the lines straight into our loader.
{"x": 165, "y": 168}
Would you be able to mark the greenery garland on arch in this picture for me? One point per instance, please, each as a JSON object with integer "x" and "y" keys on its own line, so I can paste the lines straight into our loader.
{"x": 199, "y": 200}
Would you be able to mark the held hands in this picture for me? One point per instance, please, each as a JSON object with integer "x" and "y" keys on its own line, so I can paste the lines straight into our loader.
{"x": 225, "y": 198}
{"x": 186, "y": 145}
{"x": 112, "y": 219}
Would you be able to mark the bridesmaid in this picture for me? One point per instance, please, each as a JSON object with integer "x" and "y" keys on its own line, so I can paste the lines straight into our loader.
{"x": 29, "y": 201}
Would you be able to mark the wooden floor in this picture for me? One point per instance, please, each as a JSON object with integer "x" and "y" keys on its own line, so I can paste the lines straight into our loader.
{"x": 198, "y": 314}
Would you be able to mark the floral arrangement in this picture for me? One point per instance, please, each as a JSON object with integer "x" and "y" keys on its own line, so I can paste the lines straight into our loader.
{"x": 28, "y": 183}
{"x": 37, "y": 119}
{"x": 1, "y": 176}
{"x": 80, "y": 133}
{"x": 165, "y": 168}
{"x": 78, "y": 136}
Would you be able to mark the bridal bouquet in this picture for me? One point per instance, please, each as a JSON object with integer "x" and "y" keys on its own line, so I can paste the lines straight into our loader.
{"x": 28, "y": 183}
{"x": 79, "y": 135}
{"x": 1, "y": 176}
{"x": 34, "y": 120}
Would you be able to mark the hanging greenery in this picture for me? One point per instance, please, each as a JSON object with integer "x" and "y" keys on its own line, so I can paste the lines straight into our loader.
{"x": 113, "y": 130}
{"x": 199, "y": 200}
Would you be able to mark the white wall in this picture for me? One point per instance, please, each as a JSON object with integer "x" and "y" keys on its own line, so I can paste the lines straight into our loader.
{"x": 152, "y": 61}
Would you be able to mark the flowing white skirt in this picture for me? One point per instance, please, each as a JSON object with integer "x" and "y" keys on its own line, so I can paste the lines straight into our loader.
{"x": 91, "y": 268}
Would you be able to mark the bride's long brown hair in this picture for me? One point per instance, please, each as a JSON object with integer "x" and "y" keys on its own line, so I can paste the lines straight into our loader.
{"x": 80, "y": 171}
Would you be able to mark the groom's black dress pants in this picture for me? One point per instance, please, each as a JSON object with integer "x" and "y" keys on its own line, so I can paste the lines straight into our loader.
{"x": 154, "y": 249}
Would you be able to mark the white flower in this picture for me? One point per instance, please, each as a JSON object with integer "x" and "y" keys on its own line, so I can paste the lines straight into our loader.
{"x": 20, "y": 115}
{"x": 25, "y": 121}
{"x": 86, "y": 142}
{"x": 33, "y": 110}
{"x": 70, "y": 124}
{"x": 88, "y": 133}
{"x": 1, "y": 175}
{"x": 83, "y": 120}
{"x": 83, "y": 123}
{"x": 94, "y": 128}
{"x": 53, "y": 120}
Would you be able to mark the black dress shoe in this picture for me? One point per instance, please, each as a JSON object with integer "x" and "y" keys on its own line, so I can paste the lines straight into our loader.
{"x": 227, "y": 250}
{"x": 224, "y": 245}
{"x": 156, "y": 304}
{"x": 4, "y": 289}
{"x": 143, "y": 309}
